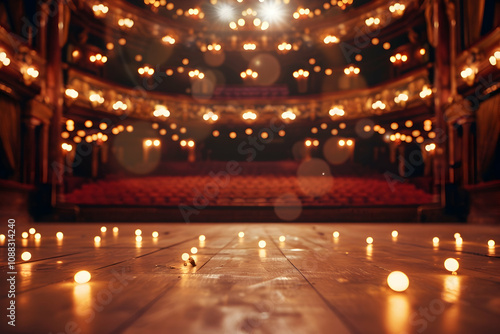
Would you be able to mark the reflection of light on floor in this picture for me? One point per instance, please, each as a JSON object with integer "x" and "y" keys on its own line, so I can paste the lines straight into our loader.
{"x": 369, "y": 252}
{"x": 262, "y": 253}
{"x": 451, "y": 294}
{"x": 26, "y": 270}
{"x": 397, "y": 314}
{"x": 451, "y": 290}
{"x": 491, "y": 251}
{"x": 82, "y": 299}
{"x": 82, "y": 307}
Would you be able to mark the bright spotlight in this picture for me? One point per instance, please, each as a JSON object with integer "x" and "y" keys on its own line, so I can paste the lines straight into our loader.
{"x": 271, "y": 11}
{"x": 226, "y": 12}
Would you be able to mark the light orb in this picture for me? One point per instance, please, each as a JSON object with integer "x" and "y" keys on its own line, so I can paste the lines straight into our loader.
{"x": 194, "y": 250}
{"x": 394, "y": 234}
{"x": 369, "y": 240}
{"x": 185, "y": 256}
{"x": 398, "y": 281}
{"x": 82, "y": 277}
{"x": 24, "y": 235}
{"x": 59, "y": 235}
{"x": 138, "y": 232}
{"x": 97, "y": 239}
{"x": 155, "y": 234}
{"x": 26, "y": 256}
{"x": 202, "y": 238}
{"x": 38, "y": 236}
{"x": 282, "y": 238}
{"x": 491, "y": 243}
{"x": 451, "y": 264}
{"x": 104, "y": 229}
{"x": 138, "y": 238}
{"x": 262, "y": 244}
{"x": 336, "y": 234}
{"x": 241, "y": 234}
{"x": 32, "y": 230}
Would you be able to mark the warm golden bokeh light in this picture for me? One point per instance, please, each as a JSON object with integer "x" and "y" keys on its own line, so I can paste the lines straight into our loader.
{"x": 104, "y": 229}
{"x": 398, "y": 281}
{"x": 491, "y": 243}
{"x": 451, "y": 264}
{"x": 26, "y": 256}
{"x": 241, "y": 234}
{"x": 282, "y": 238}
{"x": 155, "y": 234}
{"x": 138, "y": 232}
{"x": 82, "y": 277}
{"x": 185, "y": 256}
{"x": 59, "y": 235}
{"x": 194, "y": 250}
{"x": 369, "y": 240}
{"x": 202, "y": 238}
{"x": 262, "y": 244}
{"x": 394, "y": 234}
{"x": 97, "y": 239}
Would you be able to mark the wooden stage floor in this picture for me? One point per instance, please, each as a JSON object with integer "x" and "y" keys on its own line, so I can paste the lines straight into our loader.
{"x": 310, "y": 283}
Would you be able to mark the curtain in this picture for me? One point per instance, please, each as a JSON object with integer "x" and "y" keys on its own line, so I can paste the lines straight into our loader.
{"x": 488, "y": 133}
{"x": 9, "y": 132}
{"x": 473, "y": 12}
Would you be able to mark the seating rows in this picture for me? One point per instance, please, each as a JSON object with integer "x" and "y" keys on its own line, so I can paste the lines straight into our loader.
{"x": 247, "y": 190}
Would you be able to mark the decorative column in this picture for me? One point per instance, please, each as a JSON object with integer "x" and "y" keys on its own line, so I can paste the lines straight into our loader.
{"x": 54, "y": 90}
{"x": 439, "y": 27}
{"x": 29, "y": 146}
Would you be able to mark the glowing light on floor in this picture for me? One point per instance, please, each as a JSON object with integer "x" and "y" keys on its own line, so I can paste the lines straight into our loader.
{"x": 138, "y": 238}
{"x": 185, "y": 256}
{"x": 138, "y": 232}
{"x": 369, "y": 240}
{"x": 115, "y": 229}
{"x": 262, "y": 244}
{"x": 241, "y": 234}
{"x": 24, "y": 235}
{"x": 394, "y": 234}
{"x": 32, "y": 230}
{"x": 155, "y": 234}
{"x": 336, "y": 234}
{"x": 282, "y": 238}
{"x": 451, "y": 264}
{"x": 435, "y": 240}
{"x": 82, "y": 277}
{"x": 59, "y": 235}
{"x": 26, "y": 256}
{"x": 103, "y": 229}
{"x": 38, "y": 236}
{"x": 202, "y": 238}
{"x": 194, "y": 250}
{"x": 491, "y": 243}
{"x": 398, "y": 281}
{"x": 2, "y": 237}
{"x": 459, "y": 241}
{"x": 97, "y": 239}
{"x": 457, "y": 235}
